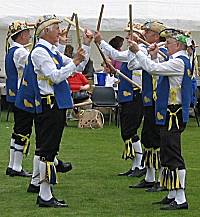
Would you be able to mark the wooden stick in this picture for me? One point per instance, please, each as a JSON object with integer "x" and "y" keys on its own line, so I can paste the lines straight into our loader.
{"x": 100, "y": 18}
{"x": 77, "y": 31}
{"x": 83, "y": 103}
{"x": 116, "y": 70}
{"x": 66, "y": 31}
{"x": 104, "y": 58}
{"x": 73, "y": 24}
{"x": 131, "y": 21}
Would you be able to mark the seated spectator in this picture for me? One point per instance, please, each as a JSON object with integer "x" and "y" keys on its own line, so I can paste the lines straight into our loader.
{"x": 79, "y": 86}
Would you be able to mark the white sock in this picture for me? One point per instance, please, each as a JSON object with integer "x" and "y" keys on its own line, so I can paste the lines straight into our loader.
{"x": 150, "y": 175}
{"x": 55, "y": 161}
{"x": 18, "y": 157}
{"x": 180, "y": 193}
{"x": 180, "y": 196}
{"x": 171, "y": 194}
{"x": 138, "y": 155}
{"x": 133, "y": 164}
{"x": 45, "y": 187}
{"x": 36, "y": 173}
{"x": 160, "y": 173}
{"x": 12, "y": 151}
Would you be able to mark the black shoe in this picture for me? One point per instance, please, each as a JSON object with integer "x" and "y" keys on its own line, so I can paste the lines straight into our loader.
{"x": 8, "y": 171}
{"x": 126, "y": 173}
{"x": 143, "y": 184}
{"x": 63, "y": 167}
{"x": 33, "y": 188}
{"x": 156, "y": 188}
{"x": 22, "y": 173}
{"x": 58, "y": 200}
{"x": 137, "y": 172}
{"x": 164, "y": 201}
{"x": 174, "y": 206}
{"x": 50, "y": 203}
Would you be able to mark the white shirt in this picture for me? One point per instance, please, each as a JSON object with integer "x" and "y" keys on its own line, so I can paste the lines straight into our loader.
{"x": 20, "y": 58}
{"x": 124, "y": 56}
{"x": 173, "y": 68}
{"x": 44, "y": 66}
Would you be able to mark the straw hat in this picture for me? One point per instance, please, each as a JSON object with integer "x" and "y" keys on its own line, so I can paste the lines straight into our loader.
{"x": 45, "y": 21}
{"x": 137, "y": 28}
{"x": 17, "y": 27}
{"x": 154, "y": 26}
{"x": 179, "y": 35}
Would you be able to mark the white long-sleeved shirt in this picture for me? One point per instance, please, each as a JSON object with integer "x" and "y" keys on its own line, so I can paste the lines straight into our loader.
{"x": 173, "y": 68}
{"x": 20, "y": 58}
{"x": 44, "y": 66}
{"x": 124, "y": 56}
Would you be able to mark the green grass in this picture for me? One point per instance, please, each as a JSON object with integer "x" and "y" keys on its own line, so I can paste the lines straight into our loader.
{"x": 92, "y": 188}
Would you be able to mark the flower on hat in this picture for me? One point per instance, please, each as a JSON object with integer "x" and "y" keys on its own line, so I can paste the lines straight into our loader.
{"x": 16, "y": 27}
{"x": 179, "y": 35}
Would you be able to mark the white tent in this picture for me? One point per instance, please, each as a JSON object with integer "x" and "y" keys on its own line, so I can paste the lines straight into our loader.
{"x": 183, "y": 14}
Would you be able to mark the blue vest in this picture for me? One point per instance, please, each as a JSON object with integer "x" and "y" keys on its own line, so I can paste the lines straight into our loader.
{"x": 126, "y": 91}
{"x": 147, "y": 84}
{"x": 29, "y": 90}
{"x": 163, "y": 94}
{"x": 12, "y": 75}
{"x": 28, "y": 97}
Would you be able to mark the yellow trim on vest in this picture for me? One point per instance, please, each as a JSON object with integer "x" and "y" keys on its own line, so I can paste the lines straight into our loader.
{"x": 126, "y": 93}
{"x": 37, "y": 103}
{"x": 11, "y": 93}
{"x": 27, "y": 104}
{"x": 146, "y": 99}
{"x": 159, "y": 116}
{"x": 25, "y": 83}
{"x": 154, "y": 83}
{"x": 20, "y": 74}
{"x": 55, "y": 60}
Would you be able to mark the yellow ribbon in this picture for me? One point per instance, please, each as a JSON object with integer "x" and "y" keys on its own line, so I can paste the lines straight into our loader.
{"x": 43, "y": 78}
{"x": 154, "y": 82}
{"x": 171, "y": 114}
{"x": 27, "y": 142}
{"x": 48, "y": 97}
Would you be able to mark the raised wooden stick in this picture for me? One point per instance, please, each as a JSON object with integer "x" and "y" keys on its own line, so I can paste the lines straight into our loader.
{"x": 73, "y": 23}
{"x": 116, "y": 70}
{"x": 66, "y": 31}
{"x": 100, "y": 18}
{"x": 77, "y": 31}
{"x": 104, "y": 58}
{"x": 131, "y": 21}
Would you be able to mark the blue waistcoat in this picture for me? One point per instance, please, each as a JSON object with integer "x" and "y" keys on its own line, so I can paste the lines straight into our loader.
{"x": 12, "y": 75}
{"x": 147, "y": 84}
{"x": 163, "y": 94}
{"x": 29, "y": 95}
{"x": 126, "y": 91}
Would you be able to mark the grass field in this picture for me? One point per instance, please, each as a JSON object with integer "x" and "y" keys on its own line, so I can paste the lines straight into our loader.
{"x": 92, "y": 188}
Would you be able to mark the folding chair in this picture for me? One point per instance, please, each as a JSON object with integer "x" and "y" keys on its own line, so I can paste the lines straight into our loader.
{"x": 105, "y": 97}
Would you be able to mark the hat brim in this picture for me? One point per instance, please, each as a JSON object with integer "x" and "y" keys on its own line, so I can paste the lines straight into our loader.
{"x": 21, "y": 30}
{"x": 46, "y": 24}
